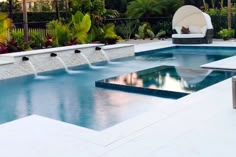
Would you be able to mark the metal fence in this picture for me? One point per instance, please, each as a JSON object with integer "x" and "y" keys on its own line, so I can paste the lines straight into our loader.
{"x": 32, "y": 31}
{"x": 127, "y": 26}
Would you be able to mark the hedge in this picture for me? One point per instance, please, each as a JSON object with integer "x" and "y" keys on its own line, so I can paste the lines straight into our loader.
{"x": 37, "y": 19}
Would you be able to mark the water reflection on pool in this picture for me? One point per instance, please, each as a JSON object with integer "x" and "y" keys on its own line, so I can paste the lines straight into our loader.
{"x": 167, "y": 81}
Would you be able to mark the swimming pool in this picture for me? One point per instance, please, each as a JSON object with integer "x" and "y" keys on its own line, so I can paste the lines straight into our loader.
{"x": 76, "y": 100}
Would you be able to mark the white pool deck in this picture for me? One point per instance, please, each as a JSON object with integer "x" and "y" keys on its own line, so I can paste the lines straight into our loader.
{"x": 202, "y": 124}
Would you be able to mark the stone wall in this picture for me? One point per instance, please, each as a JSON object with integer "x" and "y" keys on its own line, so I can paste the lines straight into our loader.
{"x": 43, "y": 62}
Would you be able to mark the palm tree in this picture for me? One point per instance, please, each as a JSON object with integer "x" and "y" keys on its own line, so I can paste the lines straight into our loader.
{"x": 170, "y": 6}
{"x": 229, "y": 14}
{"x": 144, "y": 8}
{"x": 25, "y": 21}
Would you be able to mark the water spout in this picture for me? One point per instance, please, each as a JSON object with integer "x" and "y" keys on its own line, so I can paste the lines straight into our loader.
{"x": 105, "y": 55}
{"x": 98, "y": 48}
{"x": 87, "y": 60}
{"x": 36, "y": 76}
{"x": 25, "y": 58}
{"x": 77, "y": 51}
{"x": 33, "y": 68}
{"x": 53, "y": 55}
{"x": 64, "y": 65}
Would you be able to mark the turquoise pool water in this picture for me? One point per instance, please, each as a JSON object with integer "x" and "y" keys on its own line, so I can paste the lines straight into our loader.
{"x": 75, "y": 99}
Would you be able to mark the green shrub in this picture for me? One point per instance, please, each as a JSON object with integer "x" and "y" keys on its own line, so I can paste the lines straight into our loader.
{"x": 144, "y": 31}
{"x": 18, "y": 36}
{"x": 36, "y": 39}
{"x": 60, "y": 33}
{"x": 5, "y": 24}
{"x": 126, "y": 30}
{"x": 226, "y": 34}
{"x": 161, "y": 34}
{"x": 17, "y": 43}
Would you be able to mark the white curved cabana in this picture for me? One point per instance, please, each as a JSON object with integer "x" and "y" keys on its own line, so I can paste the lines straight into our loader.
{"x": 198, "y": 22}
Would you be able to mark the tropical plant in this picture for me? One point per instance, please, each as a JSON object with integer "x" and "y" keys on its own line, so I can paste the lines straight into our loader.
{"x": 150, "y": 33}
{"x": 127, "y": 28}
{"x": 161, "y": 34}
{"x": 96, "y": 9}
{"x": 36, "y": 40}
{"x": 110, "y": 36}
{"x": 95, "y": 34}
{"x": 5, "y": 24}
{"x": 213, "y": 12}
{"x": 17, "y": 36}
{"x": 17, "y": 43}
{"x": 13, "y": 46}
{"x": 226, "y": 34}
{"x": 80, "y": 26}
{"x": 60, "y": 32}
{"x": 144, "y": 31}
{"x": 141, "y": 32}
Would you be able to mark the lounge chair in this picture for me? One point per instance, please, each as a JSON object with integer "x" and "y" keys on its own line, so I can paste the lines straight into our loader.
{"x": 198, "y": 23}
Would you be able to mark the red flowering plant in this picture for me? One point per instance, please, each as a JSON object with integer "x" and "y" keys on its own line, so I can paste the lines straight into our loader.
{"x": 13, "y": 46}
{"x": 3, "y": 48}
{"x": 72, "y": 42}
{"x": 49, "y": 42}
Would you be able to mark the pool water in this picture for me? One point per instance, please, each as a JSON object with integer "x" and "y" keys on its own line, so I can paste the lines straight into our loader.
{"x": 166, "y": 81}
{"x": 73, "y": 98}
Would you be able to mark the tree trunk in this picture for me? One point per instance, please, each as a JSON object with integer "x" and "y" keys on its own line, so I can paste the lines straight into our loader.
{"x": 25, "y": 21}
{"x": 213, "y": 4}
{"x": 204, "y": 5}
{"x": 222, "y": 4}
{"x": 10, "y": 8}
{"x": 229, "y": 14}
{"x": 57, "y": 10}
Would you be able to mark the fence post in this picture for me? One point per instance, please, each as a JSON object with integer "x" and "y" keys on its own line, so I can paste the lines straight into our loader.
{"x": 234, "y": 91}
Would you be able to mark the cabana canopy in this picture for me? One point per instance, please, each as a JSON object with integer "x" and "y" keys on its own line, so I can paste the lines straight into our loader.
{"x": 189, "y": 15}
{"x": 198, "y": 22}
